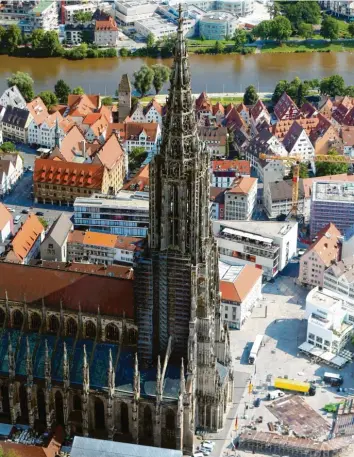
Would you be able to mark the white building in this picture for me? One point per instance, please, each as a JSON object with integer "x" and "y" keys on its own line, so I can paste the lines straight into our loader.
{"x": 328, "y": 327}
{"x": 70, "y": 10}
{"x": 297, "y": 142}
{"x": 267, "y": 245}
{"x": 151, "y": 113}
{"x": 106, "y": 33}
{"x": 160, "y": 27}
{"x": 54, "y": 246}
{"x": 339, "y": 278}
{"x": 216, "y": 25}
{"x": 237, "y": 7}
{"x": 240, "y": 199}
{"x": 128, "y": 12}
{"x": 6, "y": 223}
{"x": 125, "y": 214}
{"x": 241, "y": 288}
{"x": 13, "y": 97}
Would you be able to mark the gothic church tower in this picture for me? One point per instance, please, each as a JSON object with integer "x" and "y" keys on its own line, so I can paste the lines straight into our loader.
{"x": 177, "y": 282}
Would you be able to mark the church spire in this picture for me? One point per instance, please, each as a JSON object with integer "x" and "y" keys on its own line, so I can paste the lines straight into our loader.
{"x": 57, "y": 134}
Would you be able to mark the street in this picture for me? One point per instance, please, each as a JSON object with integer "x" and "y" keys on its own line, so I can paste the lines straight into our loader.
{"x": 21, "y": 199}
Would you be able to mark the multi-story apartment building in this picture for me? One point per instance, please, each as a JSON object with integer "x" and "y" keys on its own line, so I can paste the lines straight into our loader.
{"x": 127, "y": 12}
{"x": 127, "y": 213}
{"x": 241, "y": 288}
{"x": 240, "y": 199}
{"x": 331, "y": 202}
{"x": 328, "y": 326}
{"x": 277, "y": 198}
{"x": 134, "y": 134}
{"x": 13, "y": 97}
{"x": 339, "y": 278}
{"x": 341, "y": 8}
{"x": 319, "y": 256}
{"x": 216, "y": 25}
{"x": 15, "y": 124}
{"x": 91, "y": 247}
{"x": 237, "y": 7}
{"x": 216, "y": 139}
{"x": 71, "y": 10}
{"x": 38, "y": 14}
{"x": 267, "y": 245}
{"x": 106, "y": 33}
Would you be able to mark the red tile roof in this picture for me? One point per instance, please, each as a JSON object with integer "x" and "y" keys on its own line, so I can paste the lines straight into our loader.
{"x": 110, "y": 153}
{"x": 281, "y": 128}
{"x": 110, "y": 24}
{"x": 327, "y": 245}
{"x": 81, "y": 105}
{"x": 203, "y": 103}
{"x": 83, "y": 175}
{"x": 218, "y": 107}
{"x": 140, "y": 181}
{"x": 132, "y": 130}
{"x": 38, "y": 110}
{"x": 25, "y": 239}
{"x": 236, "y": 291}
{"x": 129, "y": 243}
{"x": 242, "y": 185}
{"x": 234, "y": 120}
{"x": 242, "y": 166}
{"x": 154, "y": 104}
{"x": 112, "y": 295}
{"x": 116, "y": 271}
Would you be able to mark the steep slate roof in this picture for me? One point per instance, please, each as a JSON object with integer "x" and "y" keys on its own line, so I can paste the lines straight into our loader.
{"x": 327, "y": 245}
{"x": 114, "y": 296}
{"x": 258, "y": 108}
{"x": 281, "y": 128}
{"x": 82, "y": 175}
{"x": 15, "y": 116}
{"x": 5, "y": 216}
{"x": 60, "y": 229}
{"x": 292, "y": 136}
{"x": 237, "y": 290}
{"x": 283, "y": 105}
{"x": 25, "y": 239}
{"x": 307, "y": 110}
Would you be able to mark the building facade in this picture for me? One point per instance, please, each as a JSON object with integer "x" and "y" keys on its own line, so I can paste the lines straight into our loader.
{"x": 240, "y": 199}
{"x": 54, "y": 246}
{"x": 217, "y": 24}
{"x": 177, "y": 282}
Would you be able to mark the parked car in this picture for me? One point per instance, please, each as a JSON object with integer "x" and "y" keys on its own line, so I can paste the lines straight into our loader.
{"x": 25, "y": 211}
{"x": 17, "y": 219}
{"x": 29, "y": 168}
{"x": 10, "y": 209}
{"x": 39, "y": 213}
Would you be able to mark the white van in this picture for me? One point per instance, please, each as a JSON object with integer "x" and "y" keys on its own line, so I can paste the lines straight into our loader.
{"x": 275, "y": 394}
{"x": 17, "y": 219}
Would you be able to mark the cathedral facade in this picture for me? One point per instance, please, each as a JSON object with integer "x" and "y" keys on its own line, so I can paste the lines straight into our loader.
{"x": 144, "y": 360}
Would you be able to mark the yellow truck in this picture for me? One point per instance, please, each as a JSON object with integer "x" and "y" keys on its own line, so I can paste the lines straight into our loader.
{"x": 292, "y": 385}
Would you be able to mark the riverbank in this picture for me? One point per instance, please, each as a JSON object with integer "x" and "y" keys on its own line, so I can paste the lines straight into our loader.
{"x": 319, "y": 46}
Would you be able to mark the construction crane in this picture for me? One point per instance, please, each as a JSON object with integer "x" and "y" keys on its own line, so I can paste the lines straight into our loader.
{"x": 296, "y": 161}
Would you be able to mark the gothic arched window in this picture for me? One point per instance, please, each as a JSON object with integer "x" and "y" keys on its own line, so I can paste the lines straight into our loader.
{"x": 35, "y": 321}
{"x": 17, "y": 319}
{"x": 112, "y": 332}
{"x": 53, "y": 323}
{"x": 90, "y": 330}
{"x": 71, "y": 327}
{"x": 132, "y": 336}
{"x": 2, "y": 316}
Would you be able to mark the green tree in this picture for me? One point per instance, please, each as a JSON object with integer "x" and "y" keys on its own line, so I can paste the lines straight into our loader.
{"x": 167, "y": 45}
{"x": 298, "y": 12}
{"x": 219, "y": 47}
{"x": 301, "y": 94}
{"x": 2, "y": 36}
{"x": 351, "y": 29}
{"x": 240, "y": 39}
{"x": 137, "y": 157}
{"x": 107, "y": 101}
{"x": 12, "y": 38}
{"x": 87, "y": 36}
{"x": 24, "y": 83}
{"x": 36, "y": 38}
{"x": 62, "y": 91}
{"x": 327, "y": 168}
{"x": 250, "y": 97}
{"x": 49, "y": 98}
{"x": 8, "y": 147}
{"x": 273, "y": 9}
{"x": 303, "y": 172}
{"x": 263, "y": 30}
{"x": 332, "y": 86}
{"x": 280, "y": 29}
{"x": 124, "y": 52}
{"x": 161, "y": 76}
{"x": 78, "y": 91}
{"x": 44, "y": 222}
{"x": 349, "y": 90}
{"x": 83, "y": 16}
{"x": 305, "y": 30}
{"x": 51, "y": 43}
{"x": 296, "y": 89}
{"x": 143, "y": 79}
{"x": 280, "y": 88}
{"x": 330, "y": 28}
{"x": 150, "y": 40}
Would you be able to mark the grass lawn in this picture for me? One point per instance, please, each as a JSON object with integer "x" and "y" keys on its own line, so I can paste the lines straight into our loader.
{"x": 310, "y": 47}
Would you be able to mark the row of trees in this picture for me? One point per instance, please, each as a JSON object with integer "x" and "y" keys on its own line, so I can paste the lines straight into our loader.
{"x": 147, "y": 77}
{"x": 46, "y": 44}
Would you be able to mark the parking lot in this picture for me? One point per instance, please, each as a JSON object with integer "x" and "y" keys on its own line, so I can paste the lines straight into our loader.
{"x": 279, "y": 317}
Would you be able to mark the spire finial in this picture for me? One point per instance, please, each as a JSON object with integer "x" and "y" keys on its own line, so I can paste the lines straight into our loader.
{"x": 182, "y": 382}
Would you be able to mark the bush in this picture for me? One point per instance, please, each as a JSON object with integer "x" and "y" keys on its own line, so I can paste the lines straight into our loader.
{"x": 124, "y": 52}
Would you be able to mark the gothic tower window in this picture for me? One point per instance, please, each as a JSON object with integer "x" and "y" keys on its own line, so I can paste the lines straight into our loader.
{"x": 132, "y": 336}
{"x": 77, "y": 403}
{"x": 147, "y": 422}
{"x": 35, "y": 321}
{"x": 124, "y": 417}
{"x": 2, "y": 316}
{"x": 90, "y": 330}
{"x": 59, "y": 411}
{"x": 53, "y": 324}
{"x": 99, "y": 414}
{"x": 17, "y": 319}
{"x": 112, "y": 332}
{"x": 71, "y": 327}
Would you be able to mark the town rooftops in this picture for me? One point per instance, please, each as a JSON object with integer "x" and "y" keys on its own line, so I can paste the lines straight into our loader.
{"x": 241, "y": 166}
{"x": 140, "y": 181}
{"x": 343, "y": 269}
{"x": 110, "y": 153}
{"x": 308, "y": 182}
{"x": 5, "y": 216}
{"x": 284, "y": 104}
{"x": 292, "y": 136}
{"x": 270, "y": 229}
{"x": 283, "y": 190}
{"x": 133, "y": 130}
{"x": 281, "y": 128}
{"x": 237, "y": 282}
{"x": 16, "y": 117}
{"x": 257, "y": 109}
{"x": 83, "y": 175}
{"x": 323, "y": 298}
{"x": 327, "y": 245}
{"x": 106, "y": 25}
{"x": 113, "y": 296}
{"x": 100, "y": 239}
{"x": 60, "y": 229}
{"x": 124, "y": 199}
{"x": 242, "y": 185}
{"x": 25, "y": 239}
{"x": 128, "y": 243}
{"x": 81, "y": 105}
{"x": 38, "y": 110}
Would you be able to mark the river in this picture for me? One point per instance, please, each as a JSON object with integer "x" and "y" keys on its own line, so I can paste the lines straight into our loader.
{"x": 214, "y": 73}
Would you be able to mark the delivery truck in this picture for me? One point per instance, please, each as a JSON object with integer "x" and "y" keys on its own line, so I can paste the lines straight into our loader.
{"x": 294, "y": 386}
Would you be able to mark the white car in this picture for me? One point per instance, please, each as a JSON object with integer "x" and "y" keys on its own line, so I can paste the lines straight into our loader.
{"x": 208, "y": 443}
{"x": 11, "y": 210}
